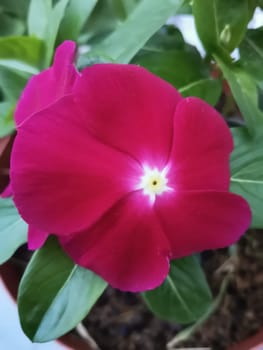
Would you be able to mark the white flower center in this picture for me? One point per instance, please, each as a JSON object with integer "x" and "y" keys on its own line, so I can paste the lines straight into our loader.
{"x": 154, "y": 182}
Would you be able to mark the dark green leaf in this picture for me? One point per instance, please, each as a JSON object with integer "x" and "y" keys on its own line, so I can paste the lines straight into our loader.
{"x": 247, "y": 171}
{"x": 55, "y": 294}
{"x": 207, "y": 89}
{"x": 13, "y": 230}
{"x": 184, "y": 296}
{"x": 221, "y": 24}
{"x": 153, "y": 14}
{"x": 10, "y": 25}
{"x": 251, "y": 53}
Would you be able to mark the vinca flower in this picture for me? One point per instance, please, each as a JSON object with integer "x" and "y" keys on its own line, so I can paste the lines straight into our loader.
{"x": 123, "y": 170}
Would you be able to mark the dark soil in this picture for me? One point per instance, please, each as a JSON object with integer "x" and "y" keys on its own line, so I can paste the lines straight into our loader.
{"x": 121, "y": 321}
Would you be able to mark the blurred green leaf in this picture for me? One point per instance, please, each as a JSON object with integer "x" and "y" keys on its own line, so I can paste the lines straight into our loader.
{"x": 247, "y": 170}
{"x": 152, "y": 14}
{"x": 44, "y": 22}
{"x": 15, "y": 8}
{"x": 10, "y": 25}
{"x": 184, "y": 296}
{"x": 13, "y": 230}
{"x": 38, "y": 17}
{"x": 7, "y": 124}
{"x": 55, "y": 294}
{"x": 221, "y": 24}
{"x": 251, "y": 53}
{"x": 167, "y": 55}
{"x": 76, "y": 15}
{"x": 124, "y": 7}
{"x": 244, "y": 89}
{"x": 12, "y": 83}
{"x": 21, "y": 53}
{"x": 207, "y": 89}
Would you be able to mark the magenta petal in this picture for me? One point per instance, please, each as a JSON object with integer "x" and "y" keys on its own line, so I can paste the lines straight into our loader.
{"x": 36, "y": 238}
{"x": 202, "y": 145}
{"x": 130, "y": 109}
{"x": 50, "y": 85}
{"x": 197, "y": 221}
{"x": 126, "y": 247}
{"x": 63, "y": 179}
{"x": 8, "y": 192}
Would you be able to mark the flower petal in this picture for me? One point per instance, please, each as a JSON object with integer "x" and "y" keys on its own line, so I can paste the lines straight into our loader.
{"x": 50, "y": 85}
{"x": 197, "y": 221}
{"x": 8, "y": 192}
{"x": 36, "y": 238}
{"x": 136, "y": 106}
{"x": 126, "y": 247}
{"x": 63, "y": 179}
{"x": 202, "y": 144}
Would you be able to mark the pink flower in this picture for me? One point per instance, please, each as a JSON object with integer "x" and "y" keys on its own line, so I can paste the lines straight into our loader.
{"x": 123, "y": 170}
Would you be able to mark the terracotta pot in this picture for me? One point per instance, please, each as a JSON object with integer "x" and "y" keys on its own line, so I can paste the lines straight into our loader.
{"x": 253, "y": 343}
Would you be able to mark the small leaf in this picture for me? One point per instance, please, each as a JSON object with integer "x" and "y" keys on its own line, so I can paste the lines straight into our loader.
{"x": 13, "y": 230}
{"x": 247, "y": 171}
{"x": 55, "y": 294}
{"x": 184, "y": 296}
{"x": 153, "y": 14}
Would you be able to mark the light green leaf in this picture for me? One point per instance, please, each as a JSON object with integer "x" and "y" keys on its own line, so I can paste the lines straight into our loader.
{"x": 55, "y": 19}
{"x": 221, "y": 24}
{"x": 76, "y": 15}
{"x": 131, "y": 35}
{"x": 247, "y": 171}
{"x": 244, "y": 90}
{"x": 55, "y": 294}
{"x": 13, "y": 230}
{"x": 7, "y": 124}
{"x": 184, "y": 296}
{"x": 38, "y": 17}
{"x": 22, "y": 53}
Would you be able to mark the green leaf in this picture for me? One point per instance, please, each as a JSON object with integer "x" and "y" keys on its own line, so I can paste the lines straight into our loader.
{"x": 10, "y": 25}
{"x": 38, "y": 17}
{"x": 124, "y": 7}
{"x": 247, "y": 171}
{"x": 244, "y": 89}
{"x": 153, "y": 14}
{"x": 207, "y": 89}
{"x": 44, "y": 22}
{"x": 12, "y": 83}
{"x": 7, "y": 124}
{"x": 251, "y": 53}
{"x": 221, "y": 24}
{"x": 21, "y": 53}
{"x": 76, "y": 15}
{"x": 55, "y": 19}
{"x": 13, "y": 230}
{"x": 55, "y": 294}
{"x": 184, "y": 296}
